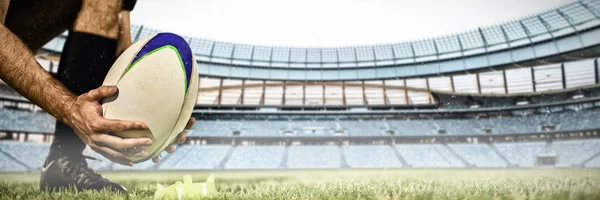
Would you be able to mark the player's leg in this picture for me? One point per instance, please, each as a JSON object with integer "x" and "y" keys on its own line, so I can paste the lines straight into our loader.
{"x": 36, "y": 22}
{"x": 85, "y": 60}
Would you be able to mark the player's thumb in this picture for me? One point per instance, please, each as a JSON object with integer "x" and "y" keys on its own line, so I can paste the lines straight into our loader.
{"x": 108, "y": 92}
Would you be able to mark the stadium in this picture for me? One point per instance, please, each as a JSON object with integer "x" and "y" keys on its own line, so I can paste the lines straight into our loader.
{"x": 516, "y": 100}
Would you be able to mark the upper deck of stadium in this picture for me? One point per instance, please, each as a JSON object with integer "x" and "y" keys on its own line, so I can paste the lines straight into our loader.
{"x": 565, "y": 29}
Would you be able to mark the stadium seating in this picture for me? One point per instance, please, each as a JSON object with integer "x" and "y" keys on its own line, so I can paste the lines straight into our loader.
{"x": 428, "y": 156}
{"x": 522, "y": 154}
{"x": 479, "y": 155}
{"x": 7, "y": 91}
{"x": 26, "y": 121}
{"x": 572, "y": 153}
{"x": 594, "y": 163}
{"x": 202, "y": 157}
{"x": 255, "y": 157}
{"x": 563, "y": 121}
{"x": 30, "y": 154}
{"x": 20, "y": 156}
{"x": 7, "y": 164}
{"x": 315, "y": 157}
{"x": 371, "y": 156}
{"x": 170, "y": 161}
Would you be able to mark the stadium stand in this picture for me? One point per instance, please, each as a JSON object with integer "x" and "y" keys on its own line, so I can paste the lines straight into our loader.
{"x": 434, "y": 103}
{"x": 478, "y": 155}
{"x": 32, "y": 155}
{"x": 26, "y": 121}
{"x": 205, "y": 157}
{"x": 19, "y": 156}
{"x": 522, "y": 154}
{"x": 371, "y": 156}
{"x": 594, "y": 162}
{"x": 504, "y": 124}
{"x": 171, "y": 160}
{"x": 313, "y": 157}
{"x": 428, "y": 156}
{"x": 572, "y": 153}
{"x": 255, "y": 157}
{"x": 8, "y": 165}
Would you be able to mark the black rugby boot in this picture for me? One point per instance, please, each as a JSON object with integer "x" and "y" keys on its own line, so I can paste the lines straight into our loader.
{"x": 61, "y": 172}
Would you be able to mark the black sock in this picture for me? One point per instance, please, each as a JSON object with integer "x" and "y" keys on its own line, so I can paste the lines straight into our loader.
{"x": 84, "y": 63}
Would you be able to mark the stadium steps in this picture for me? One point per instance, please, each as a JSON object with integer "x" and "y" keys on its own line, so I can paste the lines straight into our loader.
{"x": 467, "y": 164}
{"x": 548, "y": 146}
{"x": 343, "y": 163}
{"x": 226, "y": 158}
{"x": 283, "y": 164}
{"x": 168, "y": 156}
{"x": 583, "y": 164}
{"x": 508, "y": 163}
{"x": 17, "y": 161}
{"x": 399, "y": 156}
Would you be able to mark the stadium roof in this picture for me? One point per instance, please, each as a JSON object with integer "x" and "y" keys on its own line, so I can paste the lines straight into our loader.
{"x": 564, "y": 20}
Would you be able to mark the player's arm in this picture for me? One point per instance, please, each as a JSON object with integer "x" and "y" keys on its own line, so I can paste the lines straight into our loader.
{"x": 3, "y": 10}
{"x": 124, "y": 38}
{"x": 20, "y": 70}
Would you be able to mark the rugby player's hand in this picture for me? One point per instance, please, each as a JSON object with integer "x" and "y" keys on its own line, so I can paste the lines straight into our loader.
{"x": 87, "y": 121}
{"x": 180, "y": 139}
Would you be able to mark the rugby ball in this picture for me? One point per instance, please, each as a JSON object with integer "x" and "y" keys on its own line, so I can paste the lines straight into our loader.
{"x": 157, "y": 83}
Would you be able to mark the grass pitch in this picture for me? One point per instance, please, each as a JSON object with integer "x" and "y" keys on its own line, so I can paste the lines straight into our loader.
{"x": 343, "y": 184}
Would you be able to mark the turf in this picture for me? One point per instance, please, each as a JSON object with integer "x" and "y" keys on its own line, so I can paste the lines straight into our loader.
{"x": 343, "y": 184}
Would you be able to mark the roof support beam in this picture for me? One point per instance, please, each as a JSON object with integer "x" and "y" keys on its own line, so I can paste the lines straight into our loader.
{"x": 323, "y": 96}
{"x": 262, "y": 97}
{"x": 571, "y": 24}
{"x": 505, "y": 83}
{"x": 478, "y": 83}
{"x": 533, "y": 79}
{"x": 485, "y": 42}
{"x": 284, "y": 92}
{"x": 137, "y": 35}
{"x": 220, "y": 96}
{"x": 428, "y": 90}
{"x": 596, "y": 71}
{"x": 588, "y": 9}
{"x": 563, "y": 76}
{"x": 452, "y": 83}
{"x": 241, "y": 101}
{"x": 344, "y": 93}
{"x": 385, "y": 98}
{"x": 364, "y": 94}
{"x": 304, "y": 93}
{"x": 405, "y": 93}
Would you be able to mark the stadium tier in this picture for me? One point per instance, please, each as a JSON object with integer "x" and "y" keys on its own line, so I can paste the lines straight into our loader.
{"x": 524, "y": 93}
{"x": 516, "y": 123}
{"x": 564, "y": 30}
{"x": 567, "y": 153}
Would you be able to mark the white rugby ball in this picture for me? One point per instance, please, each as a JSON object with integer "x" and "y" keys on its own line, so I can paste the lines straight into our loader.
{"x": 157, "y": 83}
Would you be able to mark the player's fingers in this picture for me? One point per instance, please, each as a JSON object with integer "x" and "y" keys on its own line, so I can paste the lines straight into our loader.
{"x": 170, "y": 148}
{"x": 120, "y": 143}
{"x": 190, "y": 123}
{"x": 113, "y": 125}
{"x": 156, "y": 159}
{"x": 100, "y": 92}
{"x": 181, "y": 138}
{"x": 134, "y": 152}
{"x": 112, "y": 155}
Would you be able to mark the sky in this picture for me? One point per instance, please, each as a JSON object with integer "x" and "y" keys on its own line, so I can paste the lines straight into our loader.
{"x": 328, "y": 23}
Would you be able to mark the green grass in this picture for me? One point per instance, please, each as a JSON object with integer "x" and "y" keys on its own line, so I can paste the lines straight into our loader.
{"x": 343, "y": 184}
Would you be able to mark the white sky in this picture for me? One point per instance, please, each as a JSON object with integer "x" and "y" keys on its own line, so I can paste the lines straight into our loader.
{"x": 310, "y": 23}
